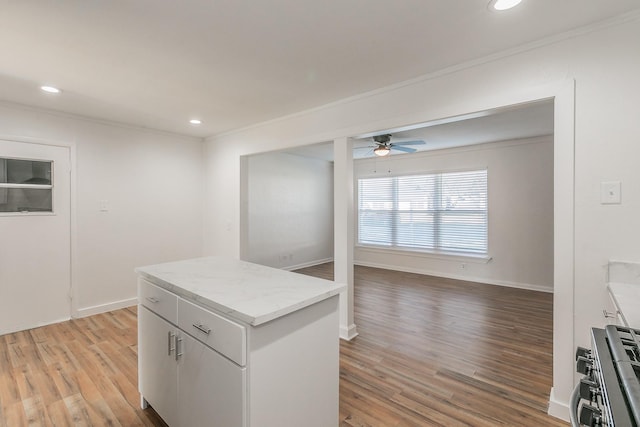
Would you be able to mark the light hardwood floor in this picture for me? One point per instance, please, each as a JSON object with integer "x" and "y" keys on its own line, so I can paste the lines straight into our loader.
{"x": 430, "y": 352}
{"x": 77, "y": 373}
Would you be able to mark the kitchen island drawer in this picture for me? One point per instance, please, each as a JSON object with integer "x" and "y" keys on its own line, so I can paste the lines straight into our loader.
{"x": 158, "y": 300}
{"x": 223, "y": 335}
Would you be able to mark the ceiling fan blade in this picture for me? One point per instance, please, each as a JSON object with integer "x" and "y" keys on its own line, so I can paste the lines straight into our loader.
{"x": 363, "y": 154}
{"x": 368, "y": 147}
{"x": 416, "y": 142}
{"x": 405, "y": 149}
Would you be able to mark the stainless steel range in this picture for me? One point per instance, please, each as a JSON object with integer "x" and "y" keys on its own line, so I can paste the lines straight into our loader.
{"x": 609, "y": 393}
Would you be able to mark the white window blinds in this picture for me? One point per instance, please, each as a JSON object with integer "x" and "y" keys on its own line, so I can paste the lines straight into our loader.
{"x": 444, "y": 212}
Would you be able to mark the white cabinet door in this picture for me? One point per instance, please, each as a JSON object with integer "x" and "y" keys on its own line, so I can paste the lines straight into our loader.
{"x": 211, "y": 389}
{"x": 157, "y": 364}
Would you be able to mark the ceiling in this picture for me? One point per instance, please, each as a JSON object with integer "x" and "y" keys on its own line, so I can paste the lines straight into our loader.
{"x": 506, "y": 124}
{"x": 232, "y": 63}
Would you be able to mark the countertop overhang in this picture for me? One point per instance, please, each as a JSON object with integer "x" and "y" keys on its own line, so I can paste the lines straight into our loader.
{"x": 251, "y": 293}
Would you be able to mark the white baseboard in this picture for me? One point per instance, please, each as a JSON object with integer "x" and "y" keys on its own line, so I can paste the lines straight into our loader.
{"x": 10, "y": 329}
{"x": 307, "y": 264}
{"x": 348, "y": 333}
{"x": 103, "y": 308}
{"x": 557, "y": 408}
{"x": 483, "y": 280}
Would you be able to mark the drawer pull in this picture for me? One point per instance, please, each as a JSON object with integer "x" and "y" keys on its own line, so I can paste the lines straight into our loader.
{"x": 153, "y": 300}
{"x": 202, "y": 328}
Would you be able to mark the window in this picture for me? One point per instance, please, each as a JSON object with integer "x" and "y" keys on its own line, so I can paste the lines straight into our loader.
{"x": 25, "y": 186}
{"x": 443, "y": 212}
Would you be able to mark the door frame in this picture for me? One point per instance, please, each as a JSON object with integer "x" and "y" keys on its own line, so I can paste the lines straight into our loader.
{"x": 71, "y": 147}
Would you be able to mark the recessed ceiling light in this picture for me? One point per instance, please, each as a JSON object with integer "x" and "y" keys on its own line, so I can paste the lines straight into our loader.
{"x": 50, "y": 89}
{"x": 195, "y": 121}
{"x": 503, "y": 4}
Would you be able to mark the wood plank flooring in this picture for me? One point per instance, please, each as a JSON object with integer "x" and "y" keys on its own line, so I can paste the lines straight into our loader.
{"x": 441, "y": 352}
{"x": 78, "y": 373}
{"x": 431, "y": 352}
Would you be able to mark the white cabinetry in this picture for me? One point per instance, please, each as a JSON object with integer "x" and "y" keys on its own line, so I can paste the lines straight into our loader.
{"x": 158, "y": 371}
{"x": 187, "y": 383}
{"x": 210, "y": 388}
{"x": 199, "y": 367}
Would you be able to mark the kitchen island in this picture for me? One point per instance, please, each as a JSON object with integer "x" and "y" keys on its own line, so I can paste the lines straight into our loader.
{"x": 227, "y": 343}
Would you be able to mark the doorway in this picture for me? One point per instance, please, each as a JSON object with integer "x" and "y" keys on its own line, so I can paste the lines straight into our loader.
{"x": 287, "y": 209}
{"x": 35, "y": 230}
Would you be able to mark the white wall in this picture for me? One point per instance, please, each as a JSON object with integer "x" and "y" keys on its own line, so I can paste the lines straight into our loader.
{"x": 520, "y": 183}
{"x": 604, "y": 63}
{"x": 153, "y": 184}
{"x": 289, "y": 203}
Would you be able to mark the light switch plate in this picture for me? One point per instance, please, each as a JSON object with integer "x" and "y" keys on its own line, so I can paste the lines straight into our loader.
{"x": 610, "y": 193}
{"x": 104, "y": 205}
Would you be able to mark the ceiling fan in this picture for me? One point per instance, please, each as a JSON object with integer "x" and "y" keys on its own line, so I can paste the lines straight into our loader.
{"x": 384, "y": 145}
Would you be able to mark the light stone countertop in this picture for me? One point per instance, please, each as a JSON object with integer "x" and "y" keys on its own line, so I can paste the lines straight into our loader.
{"x": 248, "y": 292}
{"x": 624, "y": 287}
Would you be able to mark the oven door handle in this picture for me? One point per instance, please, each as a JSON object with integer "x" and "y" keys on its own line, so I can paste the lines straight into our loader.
{"x": 574, "y": 405}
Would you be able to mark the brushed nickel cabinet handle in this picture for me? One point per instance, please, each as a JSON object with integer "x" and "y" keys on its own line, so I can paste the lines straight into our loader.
{"x": 202, "y": 328}
{"x": 153, "y": 300}
{"x": 169, "y": 340}
{"x": 178, "y": 351}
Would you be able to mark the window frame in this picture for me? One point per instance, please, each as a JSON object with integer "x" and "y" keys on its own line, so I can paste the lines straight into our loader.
{"x": 436, "y": 252}
{"x": 31, "y": 187}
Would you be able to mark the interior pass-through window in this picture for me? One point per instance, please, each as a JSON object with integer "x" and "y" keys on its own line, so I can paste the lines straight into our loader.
{"x": 25, "y": 186}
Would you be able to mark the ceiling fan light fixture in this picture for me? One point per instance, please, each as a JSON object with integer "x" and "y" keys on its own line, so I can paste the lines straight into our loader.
{"x": 503, "y": 4}
{"x": 381, "y": 151}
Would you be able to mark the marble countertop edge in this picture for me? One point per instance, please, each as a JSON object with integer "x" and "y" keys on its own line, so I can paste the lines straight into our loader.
{"x": 258, "y": 307}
